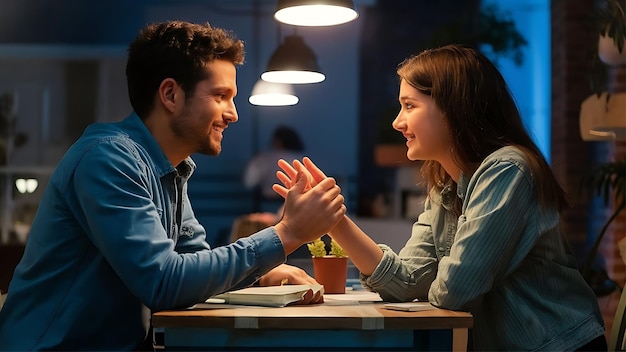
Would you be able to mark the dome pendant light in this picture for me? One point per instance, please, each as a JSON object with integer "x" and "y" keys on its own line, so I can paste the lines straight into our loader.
{"x": 315, "y": 13}
{"x": 272, "y": 94}
{"x": 293, "y": 62}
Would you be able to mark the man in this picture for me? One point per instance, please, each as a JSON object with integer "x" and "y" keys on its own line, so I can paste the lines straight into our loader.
{"x": 115, "y": 237}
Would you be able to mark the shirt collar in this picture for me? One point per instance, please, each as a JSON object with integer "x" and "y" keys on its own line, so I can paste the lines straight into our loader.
{"x": 137, "y": 131}
{"x": 446, "y": 196}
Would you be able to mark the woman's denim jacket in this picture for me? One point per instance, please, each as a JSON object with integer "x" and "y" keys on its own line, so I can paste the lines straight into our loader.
{"x": 503, "y": 259}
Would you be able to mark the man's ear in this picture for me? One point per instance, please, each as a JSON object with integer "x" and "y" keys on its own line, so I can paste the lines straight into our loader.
{"x": 167, "y": 94}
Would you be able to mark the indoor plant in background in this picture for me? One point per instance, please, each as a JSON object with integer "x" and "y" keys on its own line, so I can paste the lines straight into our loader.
{"x": 607, "y": 179}
{"x": 330, "y": 267}
{"x": 491, "y": 30}
{"x": 9, "y": 138}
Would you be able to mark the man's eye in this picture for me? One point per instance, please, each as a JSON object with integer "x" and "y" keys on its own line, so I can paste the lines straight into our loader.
{"x": 408, "y": 106}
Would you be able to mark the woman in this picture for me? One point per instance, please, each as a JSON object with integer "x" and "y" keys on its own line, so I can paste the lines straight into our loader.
{"x": 489, "y": 240}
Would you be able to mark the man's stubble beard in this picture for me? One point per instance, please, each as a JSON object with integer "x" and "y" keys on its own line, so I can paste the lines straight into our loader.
{"x": 185, "y": 131}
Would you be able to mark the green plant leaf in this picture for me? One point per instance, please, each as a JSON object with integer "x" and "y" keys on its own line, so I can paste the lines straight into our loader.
{"x": 336, "y": 250}
{"x": 317, "y": 248}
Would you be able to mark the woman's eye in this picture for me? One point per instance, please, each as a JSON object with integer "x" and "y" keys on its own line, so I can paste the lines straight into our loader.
{"x": 408, "y": 106}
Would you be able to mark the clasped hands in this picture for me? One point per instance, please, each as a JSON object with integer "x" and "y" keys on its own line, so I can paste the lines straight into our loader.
{"x": 309, "y": 218}
{"x": 313, "y": 204}
{"x": 302, "y": 177}
{"x": 289, "y": 175}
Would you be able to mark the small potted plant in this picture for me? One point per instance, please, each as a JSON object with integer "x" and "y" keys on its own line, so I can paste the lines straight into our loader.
{"x": 330, "y": 267}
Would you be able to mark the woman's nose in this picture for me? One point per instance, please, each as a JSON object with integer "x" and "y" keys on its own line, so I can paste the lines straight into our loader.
{"x": 398, "y": 122}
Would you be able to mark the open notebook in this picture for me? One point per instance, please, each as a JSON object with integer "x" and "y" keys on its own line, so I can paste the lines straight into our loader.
{"x": 268, "y": 296}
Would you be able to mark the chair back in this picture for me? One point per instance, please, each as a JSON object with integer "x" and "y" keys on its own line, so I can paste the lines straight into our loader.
{"x": 616, "y": 339}
{"x": 246, "y": 225}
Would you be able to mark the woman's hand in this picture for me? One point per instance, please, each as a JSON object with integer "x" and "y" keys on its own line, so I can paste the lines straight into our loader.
{"x": 291, "y": 275}
{"x": 288, "y": 175}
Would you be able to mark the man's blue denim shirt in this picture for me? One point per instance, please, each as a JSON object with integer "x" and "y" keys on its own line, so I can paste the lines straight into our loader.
{"x": 115, "y": 238}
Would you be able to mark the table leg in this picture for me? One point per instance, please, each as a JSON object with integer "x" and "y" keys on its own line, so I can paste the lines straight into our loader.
{"x": 459, "y": 339}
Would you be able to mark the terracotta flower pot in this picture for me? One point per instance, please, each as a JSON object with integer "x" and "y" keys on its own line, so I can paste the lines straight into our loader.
{"x": 331, "y": 272}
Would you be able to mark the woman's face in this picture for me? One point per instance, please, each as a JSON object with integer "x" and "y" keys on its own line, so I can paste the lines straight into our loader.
{"x": 423, "y": 125}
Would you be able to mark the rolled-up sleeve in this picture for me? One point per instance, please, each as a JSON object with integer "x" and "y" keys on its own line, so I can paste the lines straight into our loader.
{"x": 407, "y": 275}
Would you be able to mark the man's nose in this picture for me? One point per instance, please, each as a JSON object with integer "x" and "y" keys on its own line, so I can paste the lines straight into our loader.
{"x": 230, "y": 114}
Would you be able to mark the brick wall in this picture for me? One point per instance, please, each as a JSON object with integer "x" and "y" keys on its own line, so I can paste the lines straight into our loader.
{"x": 570, "y": 154}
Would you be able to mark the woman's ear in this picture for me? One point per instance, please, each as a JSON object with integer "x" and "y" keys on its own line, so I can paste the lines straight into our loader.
{"x": 167, "y": 94}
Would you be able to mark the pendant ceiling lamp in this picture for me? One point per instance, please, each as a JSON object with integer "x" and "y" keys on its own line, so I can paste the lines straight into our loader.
{"x": 272, "y": 94}
{"x": 293, "y": 62}
{"x": 315, "y": 12}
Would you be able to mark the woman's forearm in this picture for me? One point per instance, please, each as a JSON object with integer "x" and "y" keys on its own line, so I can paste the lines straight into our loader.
{"x": 362, "y": 250}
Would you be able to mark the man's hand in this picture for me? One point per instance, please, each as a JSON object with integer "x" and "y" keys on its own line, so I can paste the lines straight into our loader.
{"x": 286, "y": 274}
{"x": 291, "y": 275}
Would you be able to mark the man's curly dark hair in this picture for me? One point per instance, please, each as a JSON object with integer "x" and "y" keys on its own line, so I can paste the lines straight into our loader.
{"x": 178, "y": 50}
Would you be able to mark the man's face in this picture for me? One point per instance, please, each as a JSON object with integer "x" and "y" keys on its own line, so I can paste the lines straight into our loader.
{"x": 209, "y": 110}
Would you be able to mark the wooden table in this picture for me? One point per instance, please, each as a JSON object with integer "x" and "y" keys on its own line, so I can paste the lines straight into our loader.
{"x": 330, "y": 326}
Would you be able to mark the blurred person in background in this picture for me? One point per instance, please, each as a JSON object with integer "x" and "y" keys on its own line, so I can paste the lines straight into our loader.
{"x": 260, "y": 172}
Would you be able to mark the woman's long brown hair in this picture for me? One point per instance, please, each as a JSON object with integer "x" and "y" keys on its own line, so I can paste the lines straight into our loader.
{"x": 481, "y": 114}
